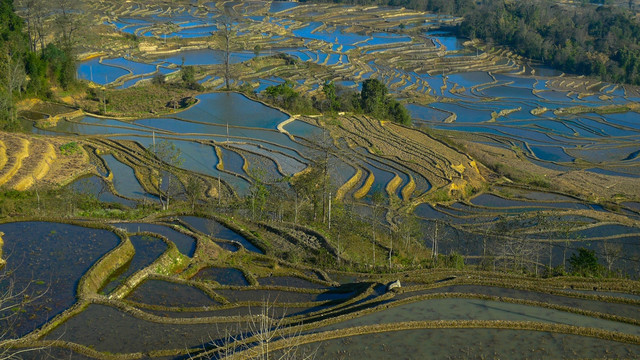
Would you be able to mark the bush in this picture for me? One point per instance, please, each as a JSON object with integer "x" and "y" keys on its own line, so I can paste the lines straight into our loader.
{"x": 375, "y": 101}
{"x": 69, "y": 148}
{"x": 454, "y": 261}
{"x": 585, "y": 263}
{"x": 284, "y": 96}
{"x": 159, "y": 79}
{"x": 188, "y": 74}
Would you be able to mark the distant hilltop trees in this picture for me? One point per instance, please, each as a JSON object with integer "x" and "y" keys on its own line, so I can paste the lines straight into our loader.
{"x": 590, "y": 37}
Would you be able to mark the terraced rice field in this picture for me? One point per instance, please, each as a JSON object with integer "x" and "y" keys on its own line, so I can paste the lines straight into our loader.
{"x": 558, "y": 129}
{"x": 134, "y": 299}
{"x": 26, "y": 161}
{"x": 574, "y": 139}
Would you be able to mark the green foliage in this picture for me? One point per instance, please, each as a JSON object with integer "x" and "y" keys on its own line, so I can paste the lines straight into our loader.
{"x": 329, "y": 90}
{"x": 284, "y": 96}
{"x": 159, "y": 79}
{"x": 10, "y": 23}
{"x": 539, "y": 181}
{"x": 246, "y": 88}
{"x": 585, "y": 263}
{"x": 61, "y": 65}
{"x": 24, "y": 72}
{"x": 69, "y": 148}
{"x": 374, "y": 100}
{"x": 440, "y": 195}
{"x": 600, "y": 41}
{"x": 398, "y": 113}
{"x": 188, "y": 74}
{"x": 453, "y": 260}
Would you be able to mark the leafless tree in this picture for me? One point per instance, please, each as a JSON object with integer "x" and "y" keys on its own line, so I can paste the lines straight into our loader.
{"x": 193, "y": 190}
{"x": 435, "y": 233}
{"x": 227, "y": 34}
{"x": 14, "y": 76}
{"x": 167, "y": 156}
{"x": 67, "y": 20}
{"x": 265, "y": 329}
{"x": 611, "y": 252}
{"x": 12, "y": 297}
{"x": 35, "y": 14}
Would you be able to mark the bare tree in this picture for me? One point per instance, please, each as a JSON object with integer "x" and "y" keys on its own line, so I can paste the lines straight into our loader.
{"x": 13, "y": 79}
{"x": 516, "y": 249}
{"x": 611, "y": 252}
{"x": 67, "y": 20}
{"x": 12, "y": 300}
{"x": 35, "y": 13}
{"x": 265, "y": 329}
{"x": 168, "y": 156}
{"x": 193, "y": 189}
{"x": 435, "y": 234}
{"x": 227, "y": 34}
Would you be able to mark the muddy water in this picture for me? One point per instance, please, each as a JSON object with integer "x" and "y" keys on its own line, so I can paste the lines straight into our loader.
{"x": 217, "y": 230}
{"x": 148, "y": 249}
{"x": 223, "y": 276}
{"x": 164, "y": 293}
{"x": 105, "y": 328}
{"x": 50, "y": 258}
{"x": 475, "y": 309}
{"x": 470, "y": 344}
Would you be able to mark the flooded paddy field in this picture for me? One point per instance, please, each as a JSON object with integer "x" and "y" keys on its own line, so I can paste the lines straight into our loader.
{"x": 465, "y": 343}
{"x": 184, "y": 284}
{"x": 187, "y": 310}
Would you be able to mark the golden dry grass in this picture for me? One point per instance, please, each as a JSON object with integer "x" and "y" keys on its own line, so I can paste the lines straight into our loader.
{"x": 409, "y": 188}
{"x": 342, "y": 191}
{"x": 34, "y": 160}
{"x": 42, "y": 166}
{"x": 362, "y": 192}
{"x": 19, "y": 151}
{"x": 3, "y": 155}
{"x": 220, "y": 165}
{"x": 393, "y": 185}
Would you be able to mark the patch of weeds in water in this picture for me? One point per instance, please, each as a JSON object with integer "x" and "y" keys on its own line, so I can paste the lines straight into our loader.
{"x": 610, "y": 206}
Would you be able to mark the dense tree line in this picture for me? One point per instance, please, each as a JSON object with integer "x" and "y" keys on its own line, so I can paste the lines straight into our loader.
{"x": 600, "y": 41}
{"x": 28, "y": 65}
{"x": 374, "y": 100}
{"x": 586, "y": 39}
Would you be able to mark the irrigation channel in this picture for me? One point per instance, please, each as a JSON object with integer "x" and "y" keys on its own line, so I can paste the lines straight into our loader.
{"x": 184, "y": 286}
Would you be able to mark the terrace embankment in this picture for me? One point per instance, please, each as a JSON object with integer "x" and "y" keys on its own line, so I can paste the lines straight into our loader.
{"x": 586, "y": 184}
{"x": 2, "y": 261}
{"x": 26, "y": 161}
{"x": 441, "y": 165}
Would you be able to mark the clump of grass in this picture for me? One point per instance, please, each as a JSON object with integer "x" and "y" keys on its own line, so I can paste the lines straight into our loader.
{"x": 69, "y": 148}
{"x": 441, "y": 195}
{"x": 538, "y": 181}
